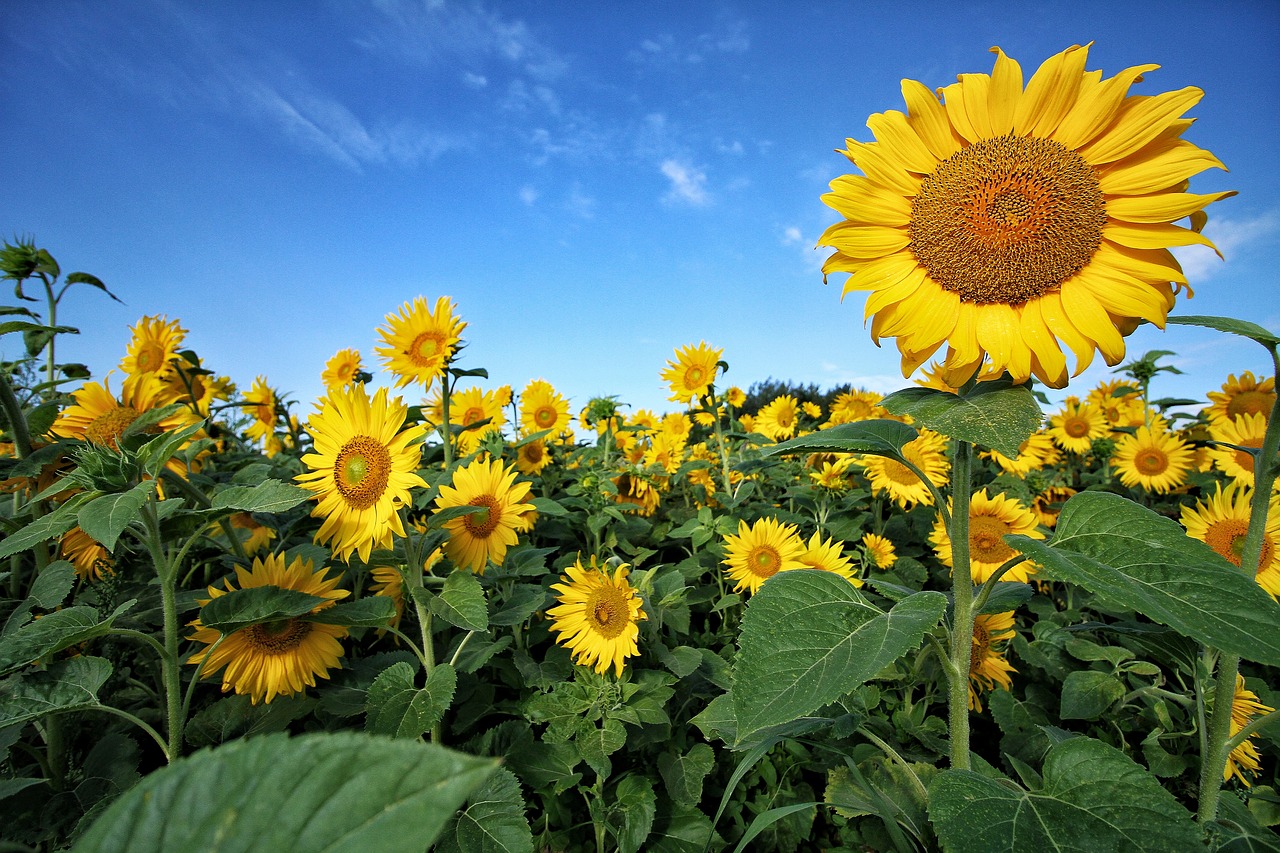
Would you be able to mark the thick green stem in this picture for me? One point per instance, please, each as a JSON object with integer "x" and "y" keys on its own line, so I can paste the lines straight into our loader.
{"x": 50, "y": 363}
{"x": 445, "y": 432}
{"x": 962, "y": 621}
{"x": 171, "y": 674}
{"x": 724, "y": 448}
{"x": 17, "y": 421}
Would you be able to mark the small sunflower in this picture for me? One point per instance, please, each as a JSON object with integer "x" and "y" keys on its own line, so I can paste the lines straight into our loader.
{"x": 637, "y": 491}
{"x": 665, "y": 451}
{"x": 1120, "y": 403}
{"x": 760, "y": 551}
{"x": 419, "y": 342}
{"x": 693, "y": 372}
{"x": 1156, "y": 460}
{"x": 1077, "y": 426}
{"x": 927, "y": 451}
{"x": 155, "y": 343}
{"x": 1244, "y": 431}
{"x": 856, "y": 405}
{"x": 832, "y": 476}
{"x": 827, "y": 555}
{"x": 988, "y": 668}
{"x": 362, "y": 468}
{"x": 532, "y": 457}
{"x": 813, "y": 410}
{"x": 1033, "y": 454}
{"x": 677, "y": 426}
{"x": 1244, "y": 396}
{"x": 473, "y": 411}
{"x": 91, "y": 560}
{"x": 735, "y": 396}
{"x": 1011, "y": 223}
{"x": 1221, "y": 521}
{"x": 879, "y": 550}
{"x": 1245, "y": 758}
{"x": 543, "y": 408}
{"x": 991, "y": 518}
{"x": 274, "y": 658}
{"x": 259, "y": 537}
{"x": 260, "y": 404}
{"x": 778, "y": 418}
{"x": 598, "y": 616}
{"x": 1049, "y": 503}
{"x": 342, "y": 369}
{"x": 476, "y": 539}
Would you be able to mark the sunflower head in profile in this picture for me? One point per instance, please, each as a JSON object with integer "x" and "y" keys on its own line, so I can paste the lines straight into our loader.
{"x": 91, "y": 560}
{"x": 259, "y": 403}
{"x": 1011, "y": 222}
{"x": 693, "y": 372}
{"x": 478, "y": 538}
{"x": 278, "y": 658}
{"x": 1152, "y": 459}
{"x": 760, "y": 550}
{"x": 362, "y": 468}
{"x": 598, "y": 616}
{"x": 1221, "y": 521}
{"x": 991, "y": 518}
{"x": 879, "y": 551}
{"x": 988, "y": 668}
{"x": 1245, "y": 761}
{"x": 419, "y": 342}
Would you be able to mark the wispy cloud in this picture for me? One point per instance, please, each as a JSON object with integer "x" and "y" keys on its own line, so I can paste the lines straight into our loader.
{"x": 726, "y": 36}
{"x": 1234, "y": 237}
{"x": 688, "y": 184}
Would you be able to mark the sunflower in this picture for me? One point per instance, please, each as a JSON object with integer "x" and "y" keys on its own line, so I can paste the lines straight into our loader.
{"x": 274, "y": 658}
{"x": 832, "y": 475}
{"x": 879, "y": 550}
{"x": 813, "y": 410}
{"x": 1033, "y": 454}
{"x": 1244, "y": 431}
{"x": 1120, "y": 403}
{"x": 927, "y": 451}
{"x": 988, "y": 668}
{"x": 477, "y": 538}
{"x": 1245, "y": 758}
{"x": 991, "y": 518}
{"x": 362, "y": 468}
{"x": 735, "y": 396}
{"x": 388, "y": 582}
{"x": 533, "y": 456}
{"x": 342, "y": 369}
{"x": 91, "y": 560}
{"x": 260, "y": 404}
{"x": 1005, "y": 222}
{"x": 259, "y": 537}
{"x": 1077, "y": 426}
{"x": 1049, "y": 503}
{"x": 665, "y": 451}
{"x": 155, "y": 343}
{"x": 542, "y": 408}
{"x": 856, "y": 405}
{"x": 637, "y": 491}
{"x": 1154, "y": 459}
{"x": 760, "y": 551}
{"x": 598, "y": 616}
{"x": 1244, "y": 396}
{"x": 473, "y": 411}
{"x": 777, "y": 419}
{"x": 692, "y": 374}
{"x": 828, "y": 556}
{"x": 1221, "y": 521}
{"x": 419, "y": 342}
{"x": 676, "y": 425}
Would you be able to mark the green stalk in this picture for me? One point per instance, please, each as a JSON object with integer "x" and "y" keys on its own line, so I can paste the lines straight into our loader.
{"x": 445, "y": 433}
{"x": 50, "y": 371}
{"x": 962, "y": 589}
{"x": 413, "y": 580}
{"x": 724, "y": 448}
{"x": 169, "y": 662}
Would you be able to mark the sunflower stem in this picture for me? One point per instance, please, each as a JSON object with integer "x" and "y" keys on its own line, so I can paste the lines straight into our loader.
{"x": 167, "y": 573}
{"x": 962, "y": 590}
{"x": 445, "y": 432}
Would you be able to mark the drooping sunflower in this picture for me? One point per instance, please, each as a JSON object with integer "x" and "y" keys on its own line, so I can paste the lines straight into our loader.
{"x": 1245, "y": 758}
{"x": 274, "y": 658}
{"x": 827, "y": 555}
{"x": 1221, "y": 521}
{"x": 1153, "y": 459}
{"x": 342, "y": 369}
{"x": 543, "y": 408}
{"x": 260, "y": 404}
{"x": 1244, "y": 431}
{"x": 419, "y": 342}
{"x": 759, "y": 551}
{"x": 1244, "y": 396}
{"x": 778, "y": 418}
{"x": 991, "y": 518}
{"x": 91, "y": 560}
{"x": 927, "y": 451}
{"x": 1077, "y": 426}
{"x": 598, "y": 616}
{"x": 476, "y": 539}
{"x": 362, "y": 468}
{"x": 879, "y": 550}
{"x": 1006, "y": 222}
{"x": 155, "y": 343}
{"x": 693, "y": 372}
{"x": 988, "y": 668}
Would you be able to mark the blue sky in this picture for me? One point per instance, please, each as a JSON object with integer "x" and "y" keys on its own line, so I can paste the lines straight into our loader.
{"x": 594, "y": 184}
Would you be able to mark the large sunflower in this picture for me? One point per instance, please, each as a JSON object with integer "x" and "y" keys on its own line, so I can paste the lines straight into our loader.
{"x": 988, "y": 668}
{"x": 927, "y": 451}
{"x": 598, "y": 616}
{"x": 362, "y": 469}
{"x": 691, "y": 375}
{"x": 1155, "y": 459}
{"x": 760, "y": 551}
{"x": 274, "y": 658}
{"x": 1244, "y": 396}
{"x": 1006, "y": 222}
{"x": 477, "y": 538}
{"x": 1221, "y": 521}
{"x": 856, "y": 405}
{"x": 543, "y": 408}
{"x": 777, "y": 419}
{"x": 827, "y": 555}
{"x": 991, "y": 518}
{"x": 419, "y": 342}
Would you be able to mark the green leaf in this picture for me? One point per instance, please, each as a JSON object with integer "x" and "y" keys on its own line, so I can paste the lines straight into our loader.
{"x": 52, "y": 585}
{"x": 69, "y": 685}
{"x": 241, "y": 608}
{"x": 808, "y": 637}
{"x": 52, "y": 633}
{"x": 91, "y": 280}
{"x": 683, "y": 774}
{"x": 1087, "y": 694}
{"x": 683, "y": 831}
{"x": 398, "y": 708}
{"x": 157, "y": 452}
{"x": 372, "y": 611}
{"x": 105, "y": 517}
{"x": 316, "y": 792}
{"x": 237, "y": 716}
{"x": 880, "y": 437}
{"x": 1238, "y": 831}
{"x": 1146, "y": 562}
{"x": 1230, "y": 325}
{"x": 492, "y": 822}
{"x": 267, "y": 496}
{"x": 1094, "y": 798}
{"x": 1006, "y": 596}
{"x": 996, "y": 414}
{"x": 635, "y": 802}
{"x": 523, "y": 600}
{"x": 44, "y": 529}
{"x": 597, "y": 744}
{"x": 461, "y": 602}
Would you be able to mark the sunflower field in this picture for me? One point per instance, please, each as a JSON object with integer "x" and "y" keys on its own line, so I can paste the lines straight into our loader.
{"x": 420, "y": 613}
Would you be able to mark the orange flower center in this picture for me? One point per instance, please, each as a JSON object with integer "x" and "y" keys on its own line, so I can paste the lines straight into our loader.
{"x": 107, "y": 427}
{"x": 764, "y": 561}
{"x": 427, "y": 349}
{"x": 1226, "y": 536}
{"x": 693, "y": 377}
{"x": 545, "y": 417}
{"x": 361, "y": 471}
{"x": 986, "y": 542}
{"x": 1151, "y": 461}
{"x": 482, "y": 525}
{"x": 150, "y": 357}
{"x": 1076, "y": 427}
{"x": 607, "y": 611}
{"x": 1250, "y": 403}
{"x": 473, "y": 414}
{"x": 278, "y": 638}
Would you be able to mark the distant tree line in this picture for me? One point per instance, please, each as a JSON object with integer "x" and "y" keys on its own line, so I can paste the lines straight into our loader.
{"x": 761, "y": 393}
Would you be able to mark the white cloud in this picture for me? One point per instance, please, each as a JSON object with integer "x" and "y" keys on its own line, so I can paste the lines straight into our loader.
{"x": 688, "y": 184}
{"x": 528, "y": 195}
{"x": 727, "y": 36}
{"x": 475, "y": 81}
{"x": 791, "y": 236}
{"x": 579, "y": 203}
{"x": 1233, "y": 237}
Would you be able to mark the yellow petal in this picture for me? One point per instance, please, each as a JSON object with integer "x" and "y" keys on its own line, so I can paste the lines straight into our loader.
{"x": 1152, "y": 170}
{"x": 895, "y": 292}
{"x": 871, "y": 159}
{"x": 861, "y": 200}
{"x": 912, "y": 359}
{"x": 1045, "y": 351}
{"x": 1087, "y": 315}
{"x": 956, "y": 98}
{"x": 964, "y": 338}
{"x": 895, "y": 134}
{"x": 1161, "y": 207}
{"x": 1006, "y": 89}
{"x": 1051, "y": 93}
{"x": 864, "y": 241}
{"x": 928, "y": 118}
{"x": 1052, "y": 378}
{"x": 1153, "y": 235}
{"x": 1097, "y": 105}
{"x": 935, "y": 311}
{"x": 1150, "y": 265}
{"x": 1055, "y": 317}
{"x": 1123, "y": 295}
{"x": 1139, "y": 121}
{"x": 881, "y": 273}
{"x": 998, "y": 333}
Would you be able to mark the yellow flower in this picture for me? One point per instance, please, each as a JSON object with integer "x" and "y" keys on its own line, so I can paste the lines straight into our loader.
{"x": 260, "y": 404}
{"x": 735, "y": 396}
{"x": 420, "y": 342}
{"x": 1049, "y": 503}
{"x": 777, "y": 419}
{"x": 1006, "y": 222}
{"x": 476, "y": 539}
{"x": 259, "y": 537}
{"x": 856, "y": 405}
{"x": 988, "y": 668}
{"x": 1077, "y": 426}
{"x": 1033, "y": 454}
{"x": 693, "y": 372}
{"x": 1245, "y": 431}
{"x": 813, "y": 410}
{"x": 832, "y": 475}
{"x": 927, "y": 452}
{"x": 388, "y": 582}
{"x": 1120, "y": 403}
{"x": 274, "y": 658}
{"x": 1245, "y": 758}
{"x": 91, "y": 560}
{"x": 1244, "y": 396}
{"x": 1154, "y": 459}
{"x": 760, "y": 551}
{"x": 991, "y": 518}
{"x": 1221, "y": 521}
{"x": 532, "y": 457}
{"x": 474, "y": 412}
{"x": 636, "y": 491}
{"x": 828, "y": 556}
{"x": 542, "y": 408}
{"x": 879, "y": 550}
{"x": 155, "y": 342}
{"x": 342, "y": 369}
{"x": 598, "y": 616}
{"x": 362, "y": 468}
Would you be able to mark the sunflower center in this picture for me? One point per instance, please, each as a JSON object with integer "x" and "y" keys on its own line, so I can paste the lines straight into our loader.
{"x": 473, "y": 414}
{"x": 277, "y": 638}
{"x": 986, "y": 539}
{"x": 764, "y": 561}
{"x": 426, "y": 349}
{"x": 361, "y": 471}
{"x": 1076, "y": 427}
{"x": 481, "y": 525}
{"x": 981, "y": 647}
{"x": 1007, "y": 219}
{"x": 1250, "y": 403}
{"x": 899, "y": 473}
{"x": 150, "y": 358}
{"x": 107, "y": 427}
{"x": 607, "y": 611}
{"x": 533, "y": 451}
{"x": 545, "y": 417}
{"x": 1227, "y": 536}
{"x": 1151, "y": 461}
{"x": 693, "y": 376}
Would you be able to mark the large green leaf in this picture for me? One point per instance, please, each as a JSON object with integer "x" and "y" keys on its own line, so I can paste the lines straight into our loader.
{"x": 996, "y": 414}
{"x": 53, "y": 633}
{"x": 1230, "y": 325}
{"x": 809, "y": 636}
{"x": 492, "y": 822}
{"x": 267, "y": 496}
{"x": 461, "y": 602}
{"x": 683, "y": 774}
{"x": 372, "y": 611}
{"x": 399, "y": 708}
{"x": 69, "y": 685}
{"x": 631, "y": 817}
{"x": 241, "y": 608}
{"x": 43, "y": 529}
{"x": 1094, "y": 798}
{"x": 105, "y": 517}
{"x": 331, "y": 791}
{"x": 1146, "y": 562}
{"x": 157, "y": 452}
{"x": 880, "y": 437}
